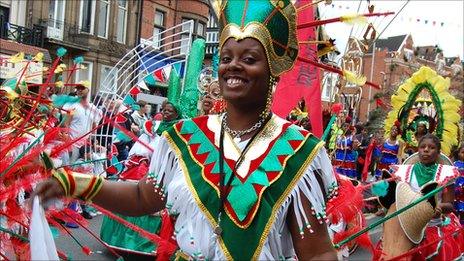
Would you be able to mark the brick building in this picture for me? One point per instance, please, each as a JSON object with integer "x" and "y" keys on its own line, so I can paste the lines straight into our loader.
{"x": 15, "y": 37}
{"x": 161, "y": 15}
{"x": 395, "y": 60}
{"x": 101, "y": 31}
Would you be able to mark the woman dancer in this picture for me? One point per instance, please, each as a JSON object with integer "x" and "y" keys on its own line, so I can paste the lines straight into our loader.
{"x": 390, "y": 151}
{"x": 245, "y": 184}
{"x": 443, "y": 238}
{"x": 119, "y": 236}
{"x": 345, "y": 153}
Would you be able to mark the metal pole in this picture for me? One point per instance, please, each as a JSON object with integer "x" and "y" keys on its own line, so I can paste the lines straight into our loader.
{"x": 370, "y": 87}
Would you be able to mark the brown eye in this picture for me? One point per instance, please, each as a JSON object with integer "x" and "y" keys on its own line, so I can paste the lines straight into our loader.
{"x": 225, "y": 59}
{"x": 249, "y": 60}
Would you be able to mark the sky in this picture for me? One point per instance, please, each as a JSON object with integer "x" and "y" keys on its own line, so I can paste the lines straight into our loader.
{"x": 429, "y": 22}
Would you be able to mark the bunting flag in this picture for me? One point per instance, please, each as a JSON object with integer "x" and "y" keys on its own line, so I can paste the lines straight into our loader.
{"x": 134, "y": 91}
{"x": 303, "y": 81}
{"x": 177, "y": 66}
{"x": 159, "y": 75}
{"x": 142, "y": 85}
{"x": 149, "y": 80}
{"x": 129, "y": 101}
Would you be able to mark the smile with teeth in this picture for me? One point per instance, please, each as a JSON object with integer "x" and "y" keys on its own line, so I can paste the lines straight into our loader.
{"x": 233, "y": 82}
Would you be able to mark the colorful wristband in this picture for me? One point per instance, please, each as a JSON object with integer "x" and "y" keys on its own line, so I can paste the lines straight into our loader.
{"x": 78, "y": 185}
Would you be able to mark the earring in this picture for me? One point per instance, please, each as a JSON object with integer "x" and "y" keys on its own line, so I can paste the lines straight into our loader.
{"x": 271, "y": 89}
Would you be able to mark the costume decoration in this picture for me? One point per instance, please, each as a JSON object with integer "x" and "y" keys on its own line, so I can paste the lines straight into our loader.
{"x": 262, "y": 179}
{"x": 30, "y": 127}
{"x": 345, "y": 155}
{"x": 78, "y": 185}
{"x": 272, "y": 23}
{"x": 388, "y": 155}
{"x": 189, "y": 99}
{"x": 427, "y": 84}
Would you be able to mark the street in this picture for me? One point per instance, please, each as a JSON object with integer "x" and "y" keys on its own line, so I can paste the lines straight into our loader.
{"x": 67, "y": 245}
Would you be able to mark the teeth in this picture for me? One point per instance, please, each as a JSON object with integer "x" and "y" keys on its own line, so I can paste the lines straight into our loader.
{"x": 234, "y": 81}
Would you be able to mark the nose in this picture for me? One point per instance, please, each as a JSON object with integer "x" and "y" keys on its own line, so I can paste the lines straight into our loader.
{"x": 234, "y": 65}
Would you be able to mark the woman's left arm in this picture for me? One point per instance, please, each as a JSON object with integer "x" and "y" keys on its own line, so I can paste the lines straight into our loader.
{"x": 313, "y": 246}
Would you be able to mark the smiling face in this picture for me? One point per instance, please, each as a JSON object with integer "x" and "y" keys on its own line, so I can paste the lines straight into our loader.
{"x": 394, "y": 131}
{"x": 244, "y": 73}
{"x": 428, "y": 151}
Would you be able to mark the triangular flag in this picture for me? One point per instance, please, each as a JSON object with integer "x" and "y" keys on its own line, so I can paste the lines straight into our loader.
{"x": 120, "y": 119}
{"x": 134, "y": 91}
{"x": 159, "y": 75}
{"x": 177, "y": 67}
{"x": 128, "y": 100}
{"x": 149, "y": 80}
{"x": 167, "y": 71}
{"x": 142, "y": 85}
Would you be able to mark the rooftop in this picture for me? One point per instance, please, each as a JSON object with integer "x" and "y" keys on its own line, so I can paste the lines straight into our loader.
{"x": 392, "y": 44}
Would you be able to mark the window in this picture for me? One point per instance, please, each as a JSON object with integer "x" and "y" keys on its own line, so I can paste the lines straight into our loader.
{"x": 159, "y": 27}
{"x": 108, "y": 79}
{"x": 55, "y": 26}
{"x": 87, "y": 16}
{"x": 201, "y": 29}
{"x": 185, "y": 37}
{"x": 212, "y": 37}
{"x": 122, "y": 21}
{"x": 56, "y": 13}
{"x": 85, "y": 74}
{"x": 328, "y": 86}
{"x": 103, "y": 11}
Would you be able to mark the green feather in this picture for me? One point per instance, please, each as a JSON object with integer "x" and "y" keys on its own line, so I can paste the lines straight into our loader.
{"x": 174, "y": 88}
{"x": 60, "y": 100}
{"x": 380, "y": 188}
{"x": 190, "y": 95}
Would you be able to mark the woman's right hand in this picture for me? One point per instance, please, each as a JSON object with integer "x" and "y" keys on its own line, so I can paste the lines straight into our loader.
{"x": 48, "y": 190}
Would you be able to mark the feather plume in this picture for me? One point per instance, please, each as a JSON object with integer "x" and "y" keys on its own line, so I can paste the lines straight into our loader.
{"x": 348, "y": 204}
{"x": 7, "y": 145}
{"x": 60, "y": 100}
{"x": 353, "y": 78}
{"x": 354, "y": 19}
{"x": 38, "y": 57}
{"x": 19, "y": 57}
{"x": 380, "y": 188}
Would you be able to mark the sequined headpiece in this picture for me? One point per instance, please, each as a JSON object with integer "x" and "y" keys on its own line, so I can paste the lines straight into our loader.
{"x": 271, "y": 22}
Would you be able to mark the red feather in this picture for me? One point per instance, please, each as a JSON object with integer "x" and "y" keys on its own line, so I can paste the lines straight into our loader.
{"x": 348, "y": 204}
{"x": 8, "y": 144}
